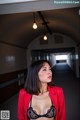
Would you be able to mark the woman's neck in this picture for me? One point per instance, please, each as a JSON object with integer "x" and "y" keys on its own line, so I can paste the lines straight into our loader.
{"x": 43, "y": 88}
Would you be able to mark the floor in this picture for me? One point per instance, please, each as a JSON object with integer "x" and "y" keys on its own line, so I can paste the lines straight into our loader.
{"x": 63, "y": 77}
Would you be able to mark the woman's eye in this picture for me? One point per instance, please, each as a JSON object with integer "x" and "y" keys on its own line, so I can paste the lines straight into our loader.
{"x": 50, "y": 69}
{"x": 44, "y": 69}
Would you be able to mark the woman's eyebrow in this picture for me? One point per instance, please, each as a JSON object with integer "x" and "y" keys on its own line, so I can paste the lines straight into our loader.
{"x": 46, "y": 67}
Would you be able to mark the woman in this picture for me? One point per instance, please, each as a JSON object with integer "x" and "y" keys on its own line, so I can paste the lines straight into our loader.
{"x": 41, "y": 99}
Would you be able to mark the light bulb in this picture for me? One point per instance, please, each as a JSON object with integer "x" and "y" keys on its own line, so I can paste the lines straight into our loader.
{"x": 45, "y": 37}
{"x": 34, "y": 25}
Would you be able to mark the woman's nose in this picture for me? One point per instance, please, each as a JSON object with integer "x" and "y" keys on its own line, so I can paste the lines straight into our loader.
{"x": 49, "y": 71}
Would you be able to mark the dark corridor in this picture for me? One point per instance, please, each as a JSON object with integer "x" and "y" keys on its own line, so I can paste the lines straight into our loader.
{"x": 64, "y": 77}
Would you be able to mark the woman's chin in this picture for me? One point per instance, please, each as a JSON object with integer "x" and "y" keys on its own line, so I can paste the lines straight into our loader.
{"x": 49, "y": 80}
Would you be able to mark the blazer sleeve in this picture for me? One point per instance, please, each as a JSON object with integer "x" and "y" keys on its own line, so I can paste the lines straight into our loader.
{"x": 21, "y": 112}
{"x": 62, "y": 108}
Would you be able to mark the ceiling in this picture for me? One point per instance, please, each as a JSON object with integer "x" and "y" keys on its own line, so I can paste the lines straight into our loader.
{"x": 16, "y": 25}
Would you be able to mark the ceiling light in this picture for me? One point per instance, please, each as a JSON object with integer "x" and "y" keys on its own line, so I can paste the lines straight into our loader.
{"x": 45, "y": 37}
{"x": 34, "y": 23}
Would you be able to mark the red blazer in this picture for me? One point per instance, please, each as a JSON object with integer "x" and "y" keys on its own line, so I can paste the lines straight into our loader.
{"x": 56, "y": 95}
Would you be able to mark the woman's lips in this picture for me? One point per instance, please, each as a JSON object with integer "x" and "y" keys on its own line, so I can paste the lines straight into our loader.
{"x": 50, "y": 77}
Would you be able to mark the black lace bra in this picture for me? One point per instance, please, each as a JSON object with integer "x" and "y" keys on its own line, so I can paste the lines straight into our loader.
{"x": 33, "y": 115}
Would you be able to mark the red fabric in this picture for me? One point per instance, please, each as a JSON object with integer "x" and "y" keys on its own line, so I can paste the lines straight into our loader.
{"x": 56, "y": 95}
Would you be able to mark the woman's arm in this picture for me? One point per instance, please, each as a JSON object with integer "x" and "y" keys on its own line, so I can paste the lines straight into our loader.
{"x": 62, "y": 109}
{"x": 21, "y": 111}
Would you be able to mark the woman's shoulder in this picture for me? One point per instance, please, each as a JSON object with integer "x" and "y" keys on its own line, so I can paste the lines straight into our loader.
{"x": 23, "y": 98}
{"x": 56, "y": 89}
{"x": 23, "y": 92}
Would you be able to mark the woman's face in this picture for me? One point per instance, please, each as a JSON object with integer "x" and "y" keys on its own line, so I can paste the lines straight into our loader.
{"x": 45, "y": 73}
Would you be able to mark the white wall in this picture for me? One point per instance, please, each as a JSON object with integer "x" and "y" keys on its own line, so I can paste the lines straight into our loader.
{"x": 69, "y": 60}
{"x": 53, "y": 59}
{"x": 12, "y": 58}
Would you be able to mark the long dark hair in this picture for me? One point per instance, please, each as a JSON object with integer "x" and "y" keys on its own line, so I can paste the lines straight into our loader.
{"x": 32, "y": 83}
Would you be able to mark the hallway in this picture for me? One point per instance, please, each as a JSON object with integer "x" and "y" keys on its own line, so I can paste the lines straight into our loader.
{"x": 21, "y": 43}
{"x": 63, "y": 77}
